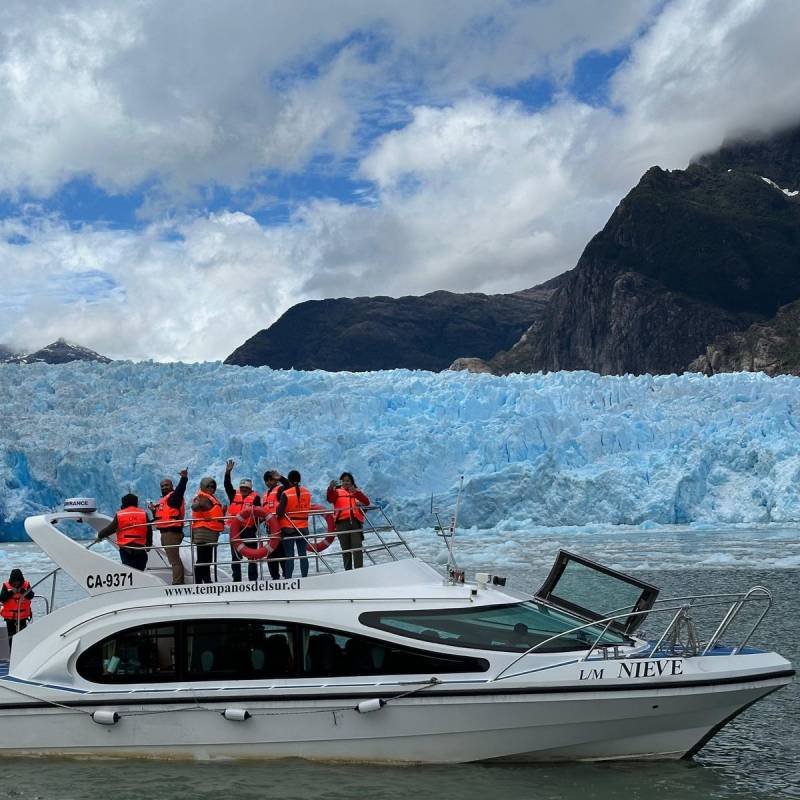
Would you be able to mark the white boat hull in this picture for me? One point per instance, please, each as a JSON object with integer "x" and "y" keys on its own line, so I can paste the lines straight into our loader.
{"x": 657, "y": 723}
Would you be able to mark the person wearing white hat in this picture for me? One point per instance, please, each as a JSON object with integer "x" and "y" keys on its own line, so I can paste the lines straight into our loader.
{"x": 241, "y": 504}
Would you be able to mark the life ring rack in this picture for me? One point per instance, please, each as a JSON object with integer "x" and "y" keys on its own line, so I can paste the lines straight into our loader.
{"x": 245, "y": 549}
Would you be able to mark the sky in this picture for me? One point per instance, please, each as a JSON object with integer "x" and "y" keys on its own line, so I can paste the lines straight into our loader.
{"x": 175, "y": 174}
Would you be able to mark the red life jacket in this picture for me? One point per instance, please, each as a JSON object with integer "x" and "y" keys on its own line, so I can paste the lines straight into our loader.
{"x": 345, "y": 505}
{"x": 165, "y": 514}
{"x": 211, "y": 520}
{"x": 244, "y": 506}
{"x": 17, "y": 602}
{"x": 272, "y": 498}
{"x": 298, "y": 503}
{"x": 131, "y": 526}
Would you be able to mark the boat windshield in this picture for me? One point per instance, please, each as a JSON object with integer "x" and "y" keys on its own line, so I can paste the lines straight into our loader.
{"x": 514, "y": 627}
{"x": 592, "y": 591}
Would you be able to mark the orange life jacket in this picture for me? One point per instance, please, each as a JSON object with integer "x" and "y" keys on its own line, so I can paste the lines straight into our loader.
{"x": 244, "y": 505}
{"x": 345, "y": 505}
{"x": 17, "y": 602}
{"x": 165, "y": 515}
{"x": 272, "y": 498}
{"x": 131, "y": 527}
{"x": 298, "y": 502}
{"x": 211, "y": 520}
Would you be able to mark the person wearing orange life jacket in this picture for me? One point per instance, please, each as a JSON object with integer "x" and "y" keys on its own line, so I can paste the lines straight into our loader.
{"x": 16, "y": 596}
{"x": 168, "y": 515}
{"x": 293, "y": 509}
{"x": 275, "y": 483}
{"x": 240, "y": 504}
{"x": 347, "y": 500}
{"x": 134, "y": 537}
{"x": 208, "y": 522}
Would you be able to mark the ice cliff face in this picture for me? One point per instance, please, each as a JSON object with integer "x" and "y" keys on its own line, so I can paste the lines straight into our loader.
{"x": 557, "y": 449}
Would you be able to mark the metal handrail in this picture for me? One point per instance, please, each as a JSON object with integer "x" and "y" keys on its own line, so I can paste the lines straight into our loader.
{"x": 726, "y": 621}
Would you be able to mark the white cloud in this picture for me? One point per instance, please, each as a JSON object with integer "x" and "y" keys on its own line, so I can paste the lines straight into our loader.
{"x": 472, "y": 193}
{"x": 188, "y": 93}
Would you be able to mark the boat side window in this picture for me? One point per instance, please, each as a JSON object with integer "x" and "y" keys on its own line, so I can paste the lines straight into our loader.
{"x": 329, "y": 653}
{"x": 238, "y": 649}
{"x": 144, "y": 654}
{"x": 513, "y": 627}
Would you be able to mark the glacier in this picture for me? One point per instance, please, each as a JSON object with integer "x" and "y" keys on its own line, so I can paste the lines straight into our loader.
{"x": 542, "y": 450}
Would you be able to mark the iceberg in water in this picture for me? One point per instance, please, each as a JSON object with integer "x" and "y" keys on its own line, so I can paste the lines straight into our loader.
{"x": 558, "y": 449}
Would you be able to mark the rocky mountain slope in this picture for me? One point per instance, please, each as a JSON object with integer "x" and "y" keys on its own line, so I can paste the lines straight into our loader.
{"x": 372, "y": 333}
{"x": 772, "y": 347}
{"x": 58, "y": 352}
{"x": 687, "y": 257}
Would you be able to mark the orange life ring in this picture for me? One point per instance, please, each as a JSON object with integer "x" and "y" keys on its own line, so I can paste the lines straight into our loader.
{"x": 244, "y": 549}
{"x": 330, "y": 520}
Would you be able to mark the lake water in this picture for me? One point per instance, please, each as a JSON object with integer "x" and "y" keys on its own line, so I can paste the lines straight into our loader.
{"x": 756, "y": 756}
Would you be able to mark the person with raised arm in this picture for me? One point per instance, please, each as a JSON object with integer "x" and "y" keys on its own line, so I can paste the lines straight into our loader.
{"x": 241, "y": 504}
{"x": 347, "y": 500}
{"x": 168, "y": 516}
{"x": 275, "y": 483}
{"x": 208, "y": 522}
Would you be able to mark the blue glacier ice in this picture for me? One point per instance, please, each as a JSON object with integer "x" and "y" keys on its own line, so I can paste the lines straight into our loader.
{"x": 561, "y": 449}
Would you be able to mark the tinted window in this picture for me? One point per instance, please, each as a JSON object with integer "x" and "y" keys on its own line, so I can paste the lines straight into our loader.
{"x": 334, "y": 653}
{"x": 516, "y": 627}
{"x": 137, "y": 655}
{"x": 238, "y": 649}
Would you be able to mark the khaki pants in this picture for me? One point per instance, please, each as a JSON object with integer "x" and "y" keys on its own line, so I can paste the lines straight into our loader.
{"x": 168, "y": 539}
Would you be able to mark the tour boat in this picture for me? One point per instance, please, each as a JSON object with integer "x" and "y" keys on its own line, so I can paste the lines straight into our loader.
{"x": 394, "y": 662}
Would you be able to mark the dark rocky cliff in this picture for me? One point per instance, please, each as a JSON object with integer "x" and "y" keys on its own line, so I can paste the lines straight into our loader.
{"x": 772, "y": 347}
{"x": 371, "y": 333}
{"x": 686, "y": 257}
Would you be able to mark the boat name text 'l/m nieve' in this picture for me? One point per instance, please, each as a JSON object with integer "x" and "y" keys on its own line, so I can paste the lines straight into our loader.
{"x": 638, "y": 669}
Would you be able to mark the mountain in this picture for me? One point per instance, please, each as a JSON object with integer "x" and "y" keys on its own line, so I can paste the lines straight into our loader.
{"x": 371, "y": 333}
{"x": 772, "y": 347}
{"x": 687, "y": 257}
{"x": 7, "y": 353}
{"x": 60, "y": 352}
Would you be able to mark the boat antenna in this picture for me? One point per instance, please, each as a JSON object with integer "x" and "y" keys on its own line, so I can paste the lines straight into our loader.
{"x": 448, "y": 533}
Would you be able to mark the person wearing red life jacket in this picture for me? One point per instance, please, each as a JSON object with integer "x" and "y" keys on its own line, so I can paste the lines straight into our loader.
{"x": 275, "y": 483}
{"x": 347, "y": 501}
{"x": 293, "y": 510}
{"x": 134, "y": 536}
{"x": 16, "y": 596}
{"x": 168, "y": 516}
{"x": 240, "y": 503}
{"x": 208, "y": 522}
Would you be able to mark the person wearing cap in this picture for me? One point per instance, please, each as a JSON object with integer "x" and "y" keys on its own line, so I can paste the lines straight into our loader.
{"x": 208, "y": 522}
{"x": 16, "y": 596}
{"x": 241, "y": 504}
{"x": 168, "y": 515}
{"x": 134, "y": 536}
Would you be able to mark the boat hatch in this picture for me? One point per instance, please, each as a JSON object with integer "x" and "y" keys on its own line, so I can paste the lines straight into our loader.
{"x": 594, "y": 592}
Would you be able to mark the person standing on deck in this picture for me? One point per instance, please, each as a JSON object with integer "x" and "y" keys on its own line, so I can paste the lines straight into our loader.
{"x": 208, "y": 522}
{"x": 16, "y": 596}
{"x": 293, "y": 509}
{"x": 134, "y": 536}
{"x": 168, "y": 515}
{"x": 347, "y": 500}
{"x": 240, "y": 504}
{"x": 275, "y": 483}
